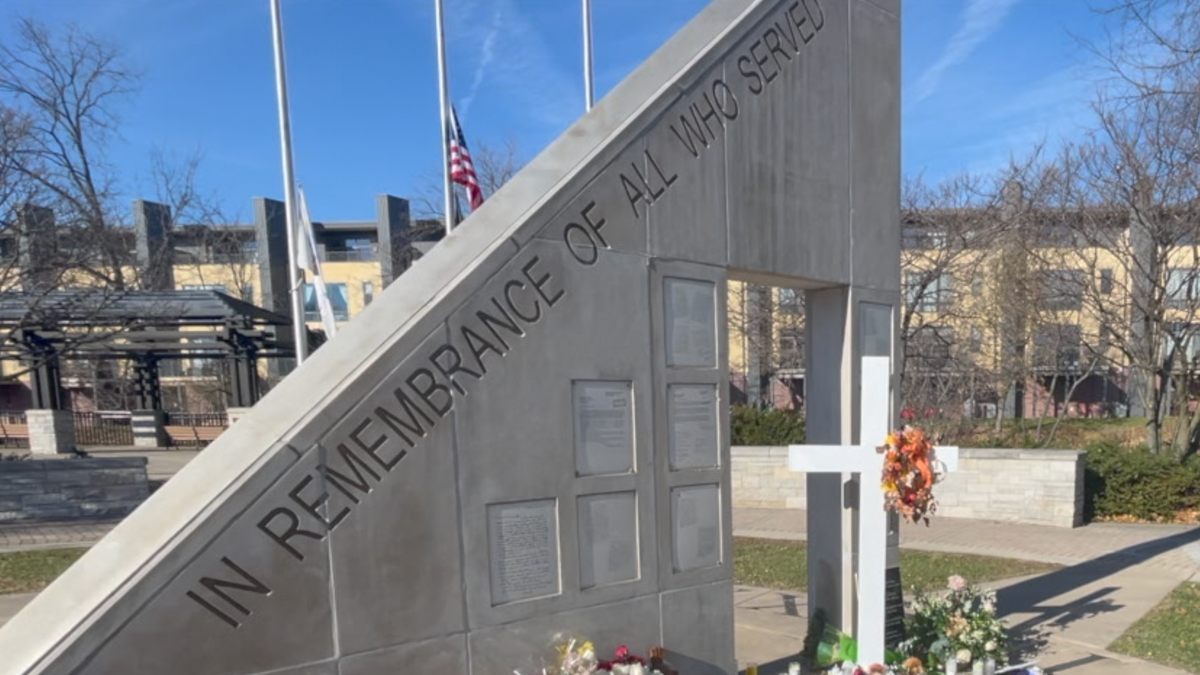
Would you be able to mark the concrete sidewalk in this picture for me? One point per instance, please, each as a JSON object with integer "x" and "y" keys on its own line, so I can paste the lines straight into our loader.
{"x": 1114, "y": 573}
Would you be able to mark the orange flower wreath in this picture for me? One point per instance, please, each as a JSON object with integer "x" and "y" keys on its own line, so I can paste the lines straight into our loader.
{"x": 908, "y": 475}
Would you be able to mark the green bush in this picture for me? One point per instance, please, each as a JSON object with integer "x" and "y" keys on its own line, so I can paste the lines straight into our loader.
{"x": 1135, "y": 482}
{"x": 753, "y": 425}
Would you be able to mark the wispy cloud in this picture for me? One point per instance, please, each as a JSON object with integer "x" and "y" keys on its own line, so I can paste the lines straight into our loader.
{"x": 980, "y": 18}
{"x": 527, "y": 77}
{"x": 487, "y": 52}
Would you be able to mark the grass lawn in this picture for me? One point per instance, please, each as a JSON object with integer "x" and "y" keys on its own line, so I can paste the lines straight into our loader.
{"x": 30, "y": 571}
{"x": 1170, "y": 633}
{"x": 782, "y": 564}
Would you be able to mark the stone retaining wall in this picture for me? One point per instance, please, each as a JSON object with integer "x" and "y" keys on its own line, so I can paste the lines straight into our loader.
{"x": 1043, "y": 487}
{"x": 71, "y": 488}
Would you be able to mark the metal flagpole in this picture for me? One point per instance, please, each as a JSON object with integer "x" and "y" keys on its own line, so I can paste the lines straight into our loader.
{"x": 587, "y": 54}
{"x": 444, "y": 98}
{"x": 300, "y": 330}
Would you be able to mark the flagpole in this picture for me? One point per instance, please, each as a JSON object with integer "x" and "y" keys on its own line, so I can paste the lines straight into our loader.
{"x": 299, "y": 329}
{"x": 444, "y": 100}
{"x": 587, "y": 54}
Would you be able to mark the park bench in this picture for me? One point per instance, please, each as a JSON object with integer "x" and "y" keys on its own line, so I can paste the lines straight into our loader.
{"x": 14, "y": 434}
{"x": 192, "y": 435}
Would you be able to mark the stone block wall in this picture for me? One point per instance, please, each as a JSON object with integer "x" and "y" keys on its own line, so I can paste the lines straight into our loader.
{"x": 1043, "y": 487}
{"x": 71, "y": 489}
{"x": 50, "y": 431}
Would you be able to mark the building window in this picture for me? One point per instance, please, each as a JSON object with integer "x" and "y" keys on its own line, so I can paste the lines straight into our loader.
{"x": 789, "y": 301}
{"x": 1057, "y": 347}
{"x": 930, "y": 347}
{"x": 1063, "y": 289}
{"x": 1182, "y": 287}
{"x": 220, "y": 288}
{"x": 368, "y": 292}
{"x": 1106, "y": 281}
{"x": 928, "y": 293}
{"x": 337, "y": 299}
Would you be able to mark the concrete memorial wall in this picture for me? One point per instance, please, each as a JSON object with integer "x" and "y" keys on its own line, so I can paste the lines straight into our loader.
{"x": 528, "y": 434}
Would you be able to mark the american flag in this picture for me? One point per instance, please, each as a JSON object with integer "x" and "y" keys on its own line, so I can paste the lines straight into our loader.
{"x": 462, "y": 171}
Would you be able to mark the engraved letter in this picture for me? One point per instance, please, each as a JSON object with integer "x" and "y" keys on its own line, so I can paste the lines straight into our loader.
{"x": 357, "y": 464}
{"x": 426, "y": 393}
{"x": 454, "y": 367}
{"x": 537, "y": 307}
{"x": 293, "y": 529}
{"x": 217, "y": 587}
{"x": 538, "y": 283}
{"x": 744, "y": 67}
{"x": 413, "y": 425}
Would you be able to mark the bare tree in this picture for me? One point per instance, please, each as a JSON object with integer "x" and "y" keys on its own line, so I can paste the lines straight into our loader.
{"x": 947, "y": 233}
{"x": 67, "y": 86}
{"x": 494, "y": 166}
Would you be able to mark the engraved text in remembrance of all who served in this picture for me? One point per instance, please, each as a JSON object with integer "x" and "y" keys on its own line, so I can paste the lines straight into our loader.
{"x": 424, "y": 392}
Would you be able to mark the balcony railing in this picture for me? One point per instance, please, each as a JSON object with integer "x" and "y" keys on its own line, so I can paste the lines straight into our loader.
{"x": 350, "y": 255}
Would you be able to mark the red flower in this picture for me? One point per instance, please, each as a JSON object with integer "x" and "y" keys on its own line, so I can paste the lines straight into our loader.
{"x": 622, "y": 652}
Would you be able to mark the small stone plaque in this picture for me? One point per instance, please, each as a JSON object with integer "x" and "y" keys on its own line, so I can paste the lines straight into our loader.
{"x": 894, "y": 623}
{"x": 696, "y": 525}
{"x": 603, "y": 427}
{"x": 691, "y": 322}
{"x": 692, "y": 421}
{"x": 523, "y": 542}
{"x": 608, "y": 546}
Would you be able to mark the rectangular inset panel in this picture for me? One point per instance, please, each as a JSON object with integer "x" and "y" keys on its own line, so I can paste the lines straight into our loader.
{"x": 603, "y": 427}
{"x": 876, "y": 329}
{"x": 523, "y": 543}
{"x": 692, "y": 419}
{"x": 608, "y": 539}
{"x": 690, "y": 306}
{"x": 696, "y": 526}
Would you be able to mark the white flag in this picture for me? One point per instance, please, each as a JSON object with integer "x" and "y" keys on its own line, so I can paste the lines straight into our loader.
{"x": 306, "y": 257}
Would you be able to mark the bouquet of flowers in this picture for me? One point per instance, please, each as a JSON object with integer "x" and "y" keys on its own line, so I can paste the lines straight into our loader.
{"x": 908, "y": 475}
{"x": 959, "y": 625}
{"x": 576, "y": 656}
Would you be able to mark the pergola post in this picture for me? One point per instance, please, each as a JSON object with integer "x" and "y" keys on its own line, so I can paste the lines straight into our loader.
{"x": 148, "y": 421}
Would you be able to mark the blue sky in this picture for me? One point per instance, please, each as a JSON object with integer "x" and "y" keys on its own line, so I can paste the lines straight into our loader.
{"x": 983, "y": 80}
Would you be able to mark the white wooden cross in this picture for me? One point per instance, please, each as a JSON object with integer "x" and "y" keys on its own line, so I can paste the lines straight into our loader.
{"x": 874, "y": 415}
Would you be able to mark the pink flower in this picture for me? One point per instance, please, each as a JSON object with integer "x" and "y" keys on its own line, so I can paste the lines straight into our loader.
{"x": 956, "y": 583}
{"x": 622, "y": 652}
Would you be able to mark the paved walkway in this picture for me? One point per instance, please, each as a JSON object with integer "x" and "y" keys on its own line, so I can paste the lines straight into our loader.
{"x": 1113, "y": 574}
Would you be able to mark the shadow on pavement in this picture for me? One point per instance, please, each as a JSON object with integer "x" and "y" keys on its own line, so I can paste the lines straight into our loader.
{"x": 1031, "y": 596}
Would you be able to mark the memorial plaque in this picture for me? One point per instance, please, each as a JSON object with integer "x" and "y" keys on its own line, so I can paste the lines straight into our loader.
{"x": 523, "y": 541}
{"x": 893, "y": 631}
{"x": 608, "y": 545}
{"x": 692, "y": 420}
{"x": 696, "y": 526}
{"x": 603, "y": 427}
{"x": 691, "y": 319}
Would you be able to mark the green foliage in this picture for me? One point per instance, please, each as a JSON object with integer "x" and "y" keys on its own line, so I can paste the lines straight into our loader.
{"x": 1170, "y": 633}
{"x": 753, "y": 425}
{"x": 1136, "y": 482}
